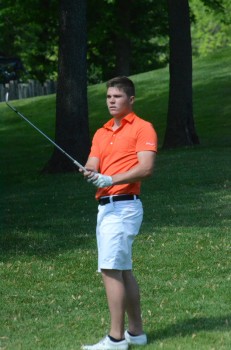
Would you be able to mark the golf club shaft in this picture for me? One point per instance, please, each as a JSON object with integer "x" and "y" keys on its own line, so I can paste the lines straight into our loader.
{"x": 42, "y": 133}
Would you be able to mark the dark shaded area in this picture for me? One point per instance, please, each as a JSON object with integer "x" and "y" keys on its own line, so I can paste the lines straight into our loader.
{"x": 192, "y": 326}
{"x": 72, "y": 129}
{"x": 180, "y": 129}
{"x": 11, "y": 68}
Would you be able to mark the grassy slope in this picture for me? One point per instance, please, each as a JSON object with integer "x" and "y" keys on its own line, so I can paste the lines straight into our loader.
{"x": 51, "y": 295}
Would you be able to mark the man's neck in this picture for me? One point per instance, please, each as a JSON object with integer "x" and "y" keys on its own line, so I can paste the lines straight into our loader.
{"x": 117, "y": 124}
{"x": 118, "y": 121}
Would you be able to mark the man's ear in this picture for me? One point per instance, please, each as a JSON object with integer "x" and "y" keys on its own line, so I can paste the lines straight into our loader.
{"x": 132, "y": 99}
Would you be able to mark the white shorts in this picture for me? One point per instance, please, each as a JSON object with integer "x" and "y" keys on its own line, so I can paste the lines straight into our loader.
{"x": 117, "y": 225}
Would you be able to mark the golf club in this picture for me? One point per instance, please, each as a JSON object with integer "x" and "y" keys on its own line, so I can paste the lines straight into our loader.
{"x": 35, "y": 127}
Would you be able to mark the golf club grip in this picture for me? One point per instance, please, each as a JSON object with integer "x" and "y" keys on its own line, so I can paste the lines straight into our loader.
{"x": 42, "y": 133}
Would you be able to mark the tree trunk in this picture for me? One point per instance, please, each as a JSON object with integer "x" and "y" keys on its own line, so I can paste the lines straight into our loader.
{"x": 180, "y": 129}
{"x": 72, "y": 130}
{"x": 123, "y": 42}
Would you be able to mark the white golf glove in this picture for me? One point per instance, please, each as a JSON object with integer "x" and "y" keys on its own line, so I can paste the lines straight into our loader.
{"x": 101, "y": 181}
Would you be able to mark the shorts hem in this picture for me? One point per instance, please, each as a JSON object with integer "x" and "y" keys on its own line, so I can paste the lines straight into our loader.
{"x": 124, "y": 268}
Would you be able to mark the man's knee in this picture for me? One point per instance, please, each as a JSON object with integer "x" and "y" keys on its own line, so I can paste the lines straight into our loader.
{"x": 117, "y": 274}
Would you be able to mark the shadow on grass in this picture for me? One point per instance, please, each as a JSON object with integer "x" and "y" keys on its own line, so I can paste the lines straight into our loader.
{"x": 46, "y": 216}
{"x": 192, "y": 326}
{"x": 43, "y": 244}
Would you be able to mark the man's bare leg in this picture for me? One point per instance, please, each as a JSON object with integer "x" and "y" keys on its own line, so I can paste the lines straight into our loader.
{"x": 116, "y": 297}
{"x": 132, "y": 303}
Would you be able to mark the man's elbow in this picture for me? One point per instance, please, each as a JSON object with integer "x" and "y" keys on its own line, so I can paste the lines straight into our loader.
{"x": 148, "y": 172}
{"x": 147, "y": 164}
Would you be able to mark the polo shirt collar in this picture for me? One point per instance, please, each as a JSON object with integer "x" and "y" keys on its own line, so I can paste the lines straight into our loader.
{"x": 128, "y": 118}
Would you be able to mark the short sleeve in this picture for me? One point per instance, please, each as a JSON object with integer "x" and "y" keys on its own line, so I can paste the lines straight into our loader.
{"x": 95, "y": 150}
{"x": 147, "y": 138}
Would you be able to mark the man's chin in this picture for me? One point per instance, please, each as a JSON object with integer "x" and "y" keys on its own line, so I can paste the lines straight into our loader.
{"x": 116, "y": 114}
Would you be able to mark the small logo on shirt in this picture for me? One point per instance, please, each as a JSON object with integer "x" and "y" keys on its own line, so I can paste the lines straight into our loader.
{"x": 150, "y": 143}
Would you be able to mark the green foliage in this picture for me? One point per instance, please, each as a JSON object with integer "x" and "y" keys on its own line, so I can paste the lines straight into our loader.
{"x": 212, "y": 26}
{"x": 29, "y": 29}
{"x": 30, "y": 32}
{"x": 148, "y": 35}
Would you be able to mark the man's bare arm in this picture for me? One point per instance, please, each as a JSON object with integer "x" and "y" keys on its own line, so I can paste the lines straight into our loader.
{"x": 92, "y": 164}
{"x": 142, "y": 170}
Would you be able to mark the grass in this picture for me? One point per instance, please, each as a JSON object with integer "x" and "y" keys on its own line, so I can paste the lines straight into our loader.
{"x": 51, "y": 295}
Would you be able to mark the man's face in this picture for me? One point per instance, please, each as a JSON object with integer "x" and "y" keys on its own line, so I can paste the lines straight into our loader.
{"x": 119, "y": 104}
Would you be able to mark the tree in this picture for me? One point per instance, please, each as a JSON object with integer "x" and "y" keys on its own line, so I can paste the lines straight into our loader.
{"x": 126, "y": 37}
{"x": 210, "y": 28}
{"x": 180, "y": 129}
{"x": 29, "y": 31}
{"x": 116, "y": 29}
{"x": 72, "y": 130}
{"x": 122, "y": 35}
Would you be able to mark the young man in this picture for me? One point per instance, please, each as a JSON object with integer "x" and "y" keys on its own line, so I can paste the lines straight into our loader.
{"x": 123, "y": 151}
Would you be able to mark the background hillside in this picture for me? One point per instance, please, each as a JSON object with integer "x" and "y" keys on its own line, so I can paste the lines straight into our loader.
{"x": 48, "y": 256}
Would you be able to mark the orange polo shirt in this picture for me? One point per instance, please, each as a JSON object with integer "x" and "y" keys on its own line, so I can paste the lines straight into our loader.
{"x": 117, "y": 150}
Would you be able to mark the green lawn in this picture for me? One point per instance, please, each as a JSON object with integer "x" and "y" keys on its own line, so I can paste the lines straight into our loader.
{"x": 51, "y": 296}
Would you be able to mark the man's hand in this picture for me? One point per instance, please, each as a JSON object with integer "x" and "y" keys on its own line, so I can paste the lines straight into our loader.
{"x": 100, "y": 180}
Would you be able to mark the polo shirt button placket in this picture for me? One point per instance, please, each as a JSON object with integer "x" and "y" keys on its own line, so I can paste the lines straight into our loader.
{"x": 111, "y": 143}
